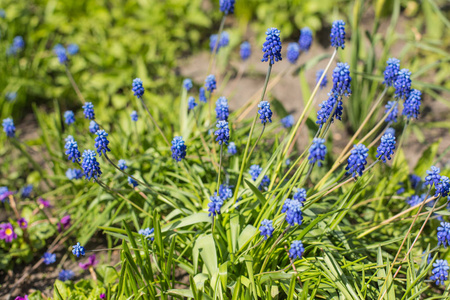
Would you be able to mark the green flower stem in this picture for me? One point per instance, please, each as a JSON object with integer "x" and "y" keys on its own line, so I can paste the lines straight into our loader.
{"x": 247, "y": 146}
{"x": 205, "y": 145}
{"x": 259, "y": 138}
{"x": 400, "y": 143}
{"x": 220, "y": 168}
{"x": 74, "y": 84}
{"x": 272, "y": 248}
{"x": 212, "y": 61}
{"x": 154, "y": 121}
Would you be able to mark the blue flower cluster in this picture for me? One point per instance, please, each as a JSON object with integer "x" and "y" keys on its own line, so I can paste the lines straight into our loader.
{"x": 122, "y": 164}
{"x": 324, "y": 81}
{"x": 443, "y": 187}
{"x": 187, "y": 84}
{"x": 296, "y": 250}
{"x": 386, "y": 148}
{"x": 402, "y": 84}
{"x": 134, "y": 116}
{"x": 132, "y": 182}
{"x": 72, "y": 174}
{"x": 326, "y": 110}
{"x": 357, "y": 160}
{"x": 210, "y": 83}
{"x": 201, "y": 95}
{"x": 338, "y": 34}
{"x": 225, "y": 192}
{"x": 317, "y": 151}
{"x": 227, "y": 6}
{"x": 272, "y": 46}
{"x": 90, "y": 166}
{"x": 72, "y": 151}
{"x": 443, "y": 234}
{"x": 433, "y": 176}
{"x": 147, "y": 232}
{"x": 77, "y": 249}
{"x": 88, "y": 110}
{"x": 254, "y": 171}
{"x": 8, "y": 127}
{"x": 60, "y": 52}
{"x": 49, "y": 258}
{"x": 17, "y": 45}
{"x": 341, "y": 80}
{"x": 305, "y": 39}
{"x": 215, "y": 205}
{"x": 191, "y": 103}
{"x": 26, "y": 191}
{"x": 178, "y": 148}
{"x": 265, "y": 112}
{"x": 222, "y": 111}
{"x": 65, "y": 275}
{"x": 440, "y": 271}
{"x": 293, "y": 52}
{"x": 392, "y": 117}
{"x": 300, "y": 196}
{"x": 69, "y": 117}
{"x": 101, "y": 142}
{"x": 93, "y": 127}
{"x": 138, "y": 88}
{"x": 232, "y": 148}
{"x": 411, "y": 105}
{"x": 287, "y": 121}
{"x": 245, "y": 50}
{"x": 391, "y": 71}
{"x": 223, "y": 41}
{"x": 415, "y": 199}
{"x": 266, "y": 229}
{"x": 222, "y": 133}
{"x": 293, "y": 210}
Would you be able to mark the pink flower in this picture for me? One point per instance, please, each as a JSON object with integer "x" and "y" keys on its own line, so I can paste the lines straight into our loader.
{"x": 22, "y": 298}
{"x": 44, "y": 202}
{"x": 64, "y": 223}
{"x": 103, "y": 296}
{"x": 7, "y": 232}
{"x": 91, "y": 263}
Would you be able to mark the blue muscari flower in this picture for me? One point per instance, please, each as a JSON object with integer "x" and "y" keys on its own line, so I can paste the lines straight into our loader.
{"x": 415, "y": 199}
{"x": 443, "y": 234}
{"x": 93, "y": 126}
{"x": 227, "y": 6}
{"x": 11, "y": 96}
{"x": 222, "y": 133}
{"x": 440, "y": 271}
{"x": 178, "y": 148}
{"x": 122, "y": 164}
{"x": 402, "y": 84}
{"x": 26, "y": 191}
{"x": 191, "y": 103}
{"x": 296, "y": 250}
{"x": 187, "y": 84}
{"x": 147, "y": 232}
{"x": 429, "y": 258}
{"x": 214, "y": 205}
{"x": 443, "y": 187}
{"x": 433, "y": 176}
{"x": 287, "y": 162}
{"x": 137, "y": 88}
{"x": 210, "y": 83}
{"x": 391, "y": 131}
{"x": 254, "y": 171}
{"x": 338, "y": 34}
{"x": 232, "y": 148}
{"x": 265, "y": 112}
{"x": 65, "y": 275}
{"x": 101, "y": 142}
{"x": 60, "y": 52}
{"x": 324, "y": 81}
{"x": 411, "y": 106}
{"x": 133, "y": 182}
{"x": 224, "y": 39}
{"x": 293, "y": 209}
{"x": 77, "y": 249}
{"x": 401, "y": 189}
{"x": 317, "y": 151}
{"x": 69, "y": 117}
{"x": 134, "y": 116}
{"x": 212, "y": 43}
{"x": 392, "y": 117}
{"x": 72, "y": 49}
{"x": 386, "y": 148}
{"x": 305, "y": 39}
{"x": 245, "y": 50}
{"x": 91, "y": 167}
{"x": 357, "y": 160}
{"x": 288, "y": 121}
{"x": 201, "y": 95}
{"x": 327, "y": 107}
{"x": 293, "y": 52}
{"x": 415, "y": 180}
{"x": 49, "y": 258}
{"x": 18, "y": 42}
{"x": 72, "y": 151}
{"x": 272, "y": 46}
{"x": 225, "y": 192}
{"x": 341, "y": 80}
{"x": 72, "y": 174}
{"x": 88, "y": 110}
{"x": 266, "y": 228}
{"x": 391, "y": 71}
{"x": 8, "y": 127}
{"x": 300, "y": 196}
{"x": 222, "y": 111}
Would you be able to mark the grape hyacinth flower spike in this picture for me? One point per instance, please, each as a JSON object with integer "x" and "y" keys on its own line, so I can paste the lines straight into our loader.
{"x": 402, "y": 84}
{"x": 122, "y": 164}
{"x": 305, "y": 39}
{"x": 178, "y": 148}
{"x": 288, "y": 121}
{"x": 227, "y": 6}
{"x": 293, "y": 52}
{"x": 266, "y": 229}
{"x": 272, "y": 46}
{"x": 300, "y": 196}
{"x": 333, "y": 103}
{"x": 187, "y": 84}
{"x": 8, "y": 127}
{"x": 392, "y": 117}
{"x": 132, "y": 182}
{"x": 61, "y": 53}
{"x": 201, "y": 95}
{"x": 338, "y": 34}
{"x": 137, "y": 88}
{"x": 386, "y": 148}
{"x": 88, "y": 110}
{"x": 324, "y": 81}
{"x": 93, "y": 127}
{"x": 222, "y": 133}
{"x": 134, "y": 116}
{"x": 341, "y": 80}
{"x": 214, "y": 205}
{"x": 72, "y": 49}
{"x": 72, "y": 151}
{"x": 265, "y": 112}
{"x": 440, "y": 271}
{"x": 232, "y": 148}
{"x": 296, "y": 250}
{"x": 101, "y": 142}
{"x": 412, "y": 104}
{"x": 78, "y": 250}
{"x": 91, "y": 167}
{"x": 293, "y": 209}
{"x": 222, "y": 110}
{"x": 433, "y": 176}
{"x": 443, "y": 187}
{"x": 245, "y": 50}
{"x": 191, "y": 103}
{"x": 49, "y": 258}
{"x": 317, "y": 151}
{"x": 210, "y": 83}
{"x": 391, "y": 71}
{"x": 443, "y": 234}
{"x": 225, "y": 192}
{"x": 357, "y": 160}
{"x": 147, "y": 232}
{"x": 65, "y": 275}
{"x": 69, "y": 117}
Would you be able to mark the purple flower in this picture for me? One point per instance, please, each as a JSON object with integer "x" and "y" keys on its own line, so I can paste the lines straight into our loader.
{"x": 7, "y": 232}
{"x": 23, "y": 224}
{"x": 44, "y": 203}
{"x": 92, "y": 262}
{"x": 64, "y": 223}
{"x": 4, "y": 193}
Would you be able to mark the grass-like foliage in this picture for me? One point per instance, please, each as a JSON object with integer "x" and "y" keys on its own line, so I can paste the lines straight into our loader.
{"x": 205, "y": 202}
